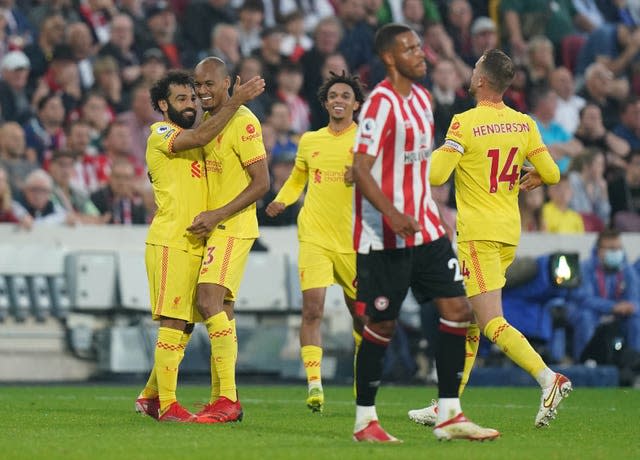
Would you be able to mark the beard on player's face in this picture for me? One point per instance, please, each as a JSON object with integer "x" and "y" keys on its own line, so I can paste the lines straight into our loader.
{"x": 184, "y": 118}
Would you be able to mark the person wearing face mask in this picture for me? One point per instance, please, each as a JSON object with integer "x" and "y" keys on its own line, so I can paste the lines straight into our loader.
{"x": 609, "y": 287}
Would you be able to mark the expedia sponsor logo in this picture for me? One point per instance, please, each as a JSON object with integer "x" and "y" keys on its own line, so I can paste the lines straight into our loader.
{"x": 250, "y": 128}
{"x": 250, "y": 137}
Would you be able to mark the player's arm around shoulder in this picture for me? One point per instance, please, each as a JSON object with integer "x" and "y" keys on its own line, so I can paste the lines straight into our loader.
{"x": 446, "y": 157}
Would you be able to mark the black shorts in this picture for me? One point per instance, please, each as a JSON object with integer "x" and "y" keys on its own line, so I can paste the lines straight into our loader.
{"x": 384, "y": 277}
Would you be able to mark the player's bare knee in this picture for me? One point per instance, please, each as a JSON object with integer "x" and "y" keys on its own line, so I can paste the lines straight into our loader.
{"x": 456, "y": 309}
{"x": 312, "y": 313}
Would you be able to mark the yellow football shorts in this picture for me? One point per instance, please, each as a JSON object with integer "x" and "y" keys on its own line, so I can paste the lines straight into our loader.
{"x": 483, "y": 265}
{"x": 173, "y": 277}
{"x": 319, "y": 268}
{"x": 224, "y": 261}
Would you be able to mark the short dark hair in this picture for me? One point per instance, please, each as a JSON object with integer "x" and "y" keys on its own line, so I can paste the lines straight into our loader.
{"x": 160, "y": 90}
{"x": 499, "y": 69}
{"x": 386, "y": 36}
{"x": 537, "y": 94}
{"x": 352, "y": 80}
{"x": 607, "y": 234}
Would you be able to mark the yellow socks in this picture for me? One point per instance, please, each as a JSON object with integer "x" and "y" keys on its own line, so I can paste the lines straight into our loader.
{"x": 514, "y": 345}
{"x": 167, "y": 359}
{"x": 223, "y": 353}
{"x": 150, "y": 390}
{"x": 471, "y": 350}
{"x": 215, "y": 379}
{"x": 311, "y": 359}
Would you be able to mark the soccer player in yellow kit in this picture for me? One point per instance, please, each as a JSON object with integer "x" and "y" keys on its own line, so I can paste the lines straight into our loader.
{"x": 237, "y": 175}
{"x": 173, "y": 256}
{"x": 326, "y": 253}
{"x": 487, "y": 147}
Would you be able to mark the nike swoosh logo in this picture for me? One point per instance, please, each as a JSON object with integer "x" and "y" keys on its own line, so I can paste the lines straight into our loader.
{"x": 548, "y": 401}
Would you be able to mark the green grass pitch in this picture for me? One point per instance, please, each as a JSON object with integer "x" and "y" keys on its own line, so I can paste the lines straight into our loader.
{"x": 98, "y": 422}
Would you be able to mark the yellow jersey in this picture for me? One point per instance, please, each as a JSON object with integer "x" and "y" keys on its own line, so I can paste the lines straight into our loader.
{"x": 487, "y": 146}
{"x": 326, "y": 216}
{"x": 179, "y": 188}
{"x": 226, "y": 157}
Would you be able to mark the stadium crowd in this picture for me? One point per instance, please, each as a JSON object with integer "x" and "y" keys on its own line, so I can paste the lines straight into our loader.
{"x": 75, "y": 108}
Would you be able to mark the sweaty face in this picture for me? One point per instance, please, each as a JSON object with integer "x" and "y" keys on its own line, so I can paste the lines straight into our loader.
{"x": 212, "y": 85}
{"x": 408, "y": 56}
{"x": 341, "y": 101}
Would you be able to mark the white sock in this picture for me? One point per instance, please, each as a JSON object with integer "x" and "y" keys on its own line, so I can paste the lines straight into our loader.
{"x": 315, "y": 384}
{"x": 546, "y": 377}
{"x": 364, "y": 414}
{"x": 447, "y": 409}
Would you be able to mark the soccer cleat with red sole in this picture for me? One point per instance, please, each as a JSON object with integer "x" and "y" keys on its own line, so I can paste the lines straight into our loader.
{"x": 373, "y": 432}
{"x": 551, "y": 399}
{"x": 459, "y": 427}
{"x": 176, "y": 413}
{"x": 148, "y": 406}
{"x": 222, "y": 410}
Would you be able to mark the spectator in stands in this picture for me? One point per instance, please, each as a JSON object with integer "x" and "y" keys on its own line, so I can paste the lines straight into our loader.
{"x": 81, "y": 43}
{"x": 122, "y": 48}
{"x": 118, "y": 145}
{"x": 37, "y": 13}
{"x": 413, "y": 13}
{"x": 201, "y": 18}
{"x": 541, "y": 60}
{"x": 589, "y": 194}
{"x": 96, "y": 112}
{"x": 459, "y": 17}
{"x": 37, "y": 199}
{"x": 371, "y": 8}
{"x": 484, "y": 37}
{"x": 269, "y": 55}
{"x": 249, "y": 26}
{"x": 13, "y": 155}
{"x": 624, "y": 196}
{"x": 599, "y": 87}
{"x": 557, "y": 217}
{"x": 590, "y": 15}
{"x": 295, "y": 42}
{"x": 616, "y": 46}
{"x": 524, "y": 20}
{"x": 108, "y": 82}
{"x": 138, "y": 120}
{"x": 391, "y": 11}
{"x": 357, "y": 34}
{"x": 78, "y": 141}
{"x": 97, "y": 15}
{"x": 20, "y": 33}
{"x": 224, "y": 44}
{"x": 439, "y": 45}
{"x": 326, "y": 38}
{"x": 118, "y": 200}
{"x": 568, "y": 103}
{"x": 44, "y": 133}
{"x": 79, "y": 208}
{"x": 63, "y": 77}
{"x": 560, "y": 143}
{"x": 592, "y": 134}
{"x": 449, "y": 97}
{"x": 289, "y": 83}
{"x": 517, "y": 95}
{"x": 629, "y": 126}
{"x": 10, "y": 210}
{"x": 610, "y": 286}
{"x": 40, "y": 52}
{"x": 163, "y": 30}
{"x": 280, "y": 120}
{"x": 280, "y": 168}
{"x": 530, "y": 205}
{"x": 153, "y": 66}
{"x": 248, "y": 68}
{"x": 14, "y": 103}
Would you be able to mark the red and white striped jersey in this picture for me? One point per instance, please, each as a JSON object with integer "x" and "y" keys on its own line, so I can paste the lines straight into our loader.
{"x": 398, "y": 131}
